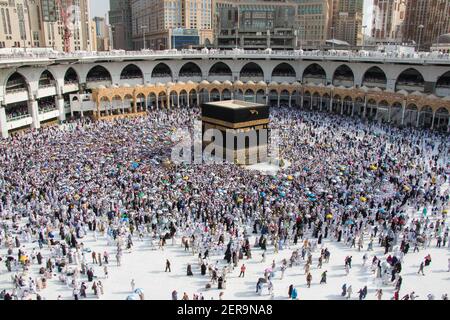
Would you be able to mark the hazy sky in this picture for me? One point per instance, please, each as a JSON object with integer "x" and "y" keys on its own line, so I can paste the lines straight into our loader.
{"x": 99, "y": 8}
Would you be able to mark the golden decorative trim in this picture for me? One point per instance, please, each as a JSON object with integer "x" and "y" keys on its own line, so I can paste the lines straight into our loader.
{"x": 230, "y": 125}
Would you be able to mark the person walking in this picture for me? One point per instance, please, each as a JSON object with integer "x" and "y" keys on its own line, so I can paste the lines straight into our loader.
{"x": 168, "y": 266}
{"x": 323, "y": 277}
{"x": 308, "y": 280}
{"x": 242, "y": 274}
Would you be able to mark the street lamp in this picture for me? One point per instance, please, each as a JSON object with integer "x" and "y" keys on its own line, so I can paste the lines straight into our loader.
{"x": 420, "y": 36}
{"x": 143, "y": 34}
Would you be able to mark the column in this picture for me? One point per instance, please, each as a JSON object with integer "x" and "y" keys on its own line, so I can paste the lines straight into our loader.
{"x": 59, "y": 101}
{"x": 290, "y": 101}
{"x": 365, "y": 107}
{"x": 301, "y": 102}
{"x": 123, "y": 107}
{"x": 33, "y": 110}
{"x": 278, "y": 100}
{"x": 188, "y": 97}
{"x": 330, "y": 108}
{"x": 267, "y": 98}
{"x": 403, "y": 112}
{"x": 342, "y": 107}
{"x": 157, "y": 102}
{"x": 353, "y": 108}
{"x": 432, "y": 122}
{"x": 232, "y": 94}
{"x": 418, "y": 118}
{"x": 198, "y": 98}
{"x": 178, "y": 100}
{"x": 3, "y": 122}
{"x": 321, "y": 102}
{"x": 389, "y": 113}
{"x": 168, "y": 102}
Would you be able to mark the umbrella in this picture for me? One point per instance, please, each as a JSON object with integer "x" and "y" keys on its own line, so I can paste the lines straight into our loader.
{"x": 349, "y": 221}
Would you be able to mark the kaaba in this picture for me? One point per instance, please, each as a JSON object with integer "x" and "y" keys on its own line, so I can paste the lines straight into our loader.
{"x": 244, "y": 129}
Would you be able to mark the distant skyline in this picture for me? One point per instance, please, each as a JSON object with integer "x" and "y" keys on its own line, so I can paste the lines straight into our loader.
{"x": 99, "y": 8}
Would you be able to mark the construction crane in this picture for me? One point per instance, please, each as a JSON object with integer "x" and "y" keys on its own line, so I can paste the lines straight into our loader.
{"x": 65, "y": 16}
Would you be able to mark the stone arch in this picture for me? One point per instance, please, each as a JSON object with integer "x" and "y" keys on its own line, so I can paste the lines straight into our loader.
{"x": 183, "y": 98}
{"x": 152, "y": 100}
{"x": 249, "y": 95}
{"x": 347, "y": 105}
{"x": 163, "y": 100}
{"x": 16, "y": 82}
{"x": 193, "y": 97}
{"x": 46, "y": 79}
{"x": 284, "y": 98}
{"x": 396, "y": 111}
{"x": 71, "y": 77}
{"x": 226, "y": 94}
{"x": 442, "y": 118}
{"x": 98, "y": 73}
{"x": 374, "y": 77}
{"x": 426, "y": 116}
{"x": 443, "y": 85}
{"x": 251, "y": 71}
{"x": 162, "y": 70}
{"x": 273, "y": 98}
{"x": 220, "y": 69}
{"x": 128, "y": 102}
{"x": 131, "y": 71}
{"x": 284, "y": 70}
{"x": 190, "y": 69}
{"x": 141, "y": 102}
{"x": 116, "y": 104}
{"x": 343, "y": 76}
{"x": 314, "y": 73}
{"x": 411, "y": 114}
{"x": 214, "y": 95}
{"x": 173, "y": 98}
{"x": 260, "y": 96}
{"x": 410, "y": 80}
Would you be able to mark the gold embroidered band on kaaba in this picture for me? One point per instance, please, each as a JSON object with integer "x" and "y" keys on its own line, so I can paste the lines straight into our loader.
{"x": 236, "y": 125}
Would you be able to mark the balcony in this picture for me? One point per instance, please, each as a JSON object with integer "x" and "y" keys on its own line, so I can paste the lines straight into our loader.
{"x": 443, "y": 91}
{"x": 284, "y": 78}
{"x": 48, "y": 114}
{"x": 94, "y": 83}
{"x": 70, "y": 87}
{"x": 47, "y": 91}
{"x": 19, "y": 121}
{"x": 14, "y": 96}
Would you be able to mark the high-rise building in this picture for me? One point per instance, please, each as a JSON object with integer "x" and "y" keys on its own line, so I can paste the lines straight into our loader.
{"x": 347, "y": 21}
{"x": 170, "y": 24}
{"x": 101, "y": 34}
{"x": 388, "y": 20}
{"x": 426, "y": 20}
{"x": 313, "y": 22}
{"x": 39, "y": 23}
{"x": 120, "y": 22}
{"x": 255, "y": 24}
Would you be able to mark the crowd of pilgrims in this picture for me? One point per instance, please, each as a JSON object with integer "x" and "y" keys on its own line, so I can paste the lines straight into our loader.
{"x": 348, "y": 181}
